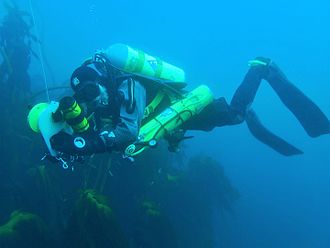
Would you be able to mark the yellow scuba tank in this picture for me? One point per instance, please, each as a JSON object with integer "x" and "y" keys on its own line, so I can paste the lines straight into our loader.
{"x": 171, "y": 118}
{"x": 135, "y": 61}
{"x": 70, "y": 111}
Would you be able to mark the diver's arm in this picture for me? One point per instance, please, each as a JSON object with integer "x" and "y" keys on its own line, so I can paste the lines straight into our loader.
{"x": 130, "y": 116}
{"x": 79, "y": 144}
{"x": 126, "y": 131}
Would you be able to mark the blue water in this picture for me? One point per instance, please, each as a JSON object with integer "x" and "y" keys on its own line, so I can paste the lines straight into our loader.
{"x": 284, "y": 201}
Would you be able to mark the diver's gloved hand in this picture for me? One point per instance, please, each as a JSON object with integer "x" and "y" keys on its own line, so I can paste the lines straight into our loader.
{"x": 84, "y": 144}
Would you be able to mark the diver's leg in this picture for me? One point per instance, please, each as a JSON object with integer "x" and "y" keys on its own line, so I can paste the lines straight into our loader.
{"x": 219, "y": 113}
{"x": 246, "y": 92}
{"x": 305, "y": 110}
{"x": 240, "y": 110}
{"x": 216, "y": 114}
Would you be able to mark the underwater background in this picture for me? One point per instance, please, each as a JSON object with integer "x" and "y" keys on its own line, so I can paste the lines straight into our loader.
{"x": 276, "y": 201}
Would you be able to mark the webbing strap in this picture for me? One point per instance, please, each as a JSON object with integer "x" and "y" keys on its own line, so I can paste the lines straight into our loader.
{"x": 154, "y": 103}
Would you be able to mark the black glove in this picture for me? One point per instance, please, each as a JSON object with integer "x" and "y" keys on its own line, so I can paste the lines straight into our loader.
{"x": 84, "y": 144}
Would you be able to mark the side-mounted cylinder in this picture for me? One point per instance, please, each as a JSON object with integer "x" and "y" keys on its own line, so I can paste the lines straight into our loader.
{"x": 171, "y": 119}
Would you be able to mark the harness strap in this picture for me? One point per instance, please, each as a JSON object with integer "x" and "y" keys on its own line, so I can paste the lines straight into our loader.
{"x": 154, "y": 103}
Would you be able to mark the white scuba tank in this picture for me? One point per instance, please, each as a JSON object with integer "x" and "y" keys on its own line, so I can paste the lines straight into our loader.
{"x": 135, "y": 61}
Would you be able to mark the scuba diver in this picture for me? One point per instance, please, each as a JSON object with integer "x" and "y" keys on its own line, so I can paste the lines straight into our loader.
{"x": 15, "y": 47}
{"x": 126, "y": 100}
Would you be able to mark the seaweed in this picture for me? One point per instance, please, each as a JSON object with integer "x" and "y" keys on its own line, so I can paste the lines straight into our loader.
{"x": 150, "y": 208}
{"x": 93, "y": 223}
{"x": 24, "y": 229}
{"x": 152, "y": 227}
{"x": 206, "y": 177}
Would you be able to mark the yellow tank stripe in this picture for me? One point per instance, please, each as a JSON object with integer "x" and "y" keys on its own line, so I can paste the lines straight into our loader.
{"x": 140, "y": 61}
{"x": 159, "y": 68}
{"x": 81, "y": 127}
{"x": 72, "y": 112}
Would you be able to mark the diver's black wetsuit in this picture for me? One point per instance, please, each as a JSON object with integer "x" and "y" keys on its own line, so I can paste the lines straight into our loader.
{"x": 220, "y": 113}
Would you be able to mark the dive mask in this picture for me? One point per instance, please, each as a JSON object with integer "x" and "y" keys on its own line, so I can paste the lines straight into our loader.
{"x": 87, "y": 93}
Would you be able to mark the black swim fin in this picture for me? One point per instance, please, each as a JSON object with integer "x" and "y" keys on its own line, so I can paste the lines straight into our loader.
{"x": 267, "y": 137}
{"x": 305, "y": 110}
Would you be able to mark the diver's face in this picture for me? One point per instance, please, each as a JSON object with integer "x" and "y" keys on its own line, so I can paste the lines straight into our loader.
{"x": 91, "y": 97}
